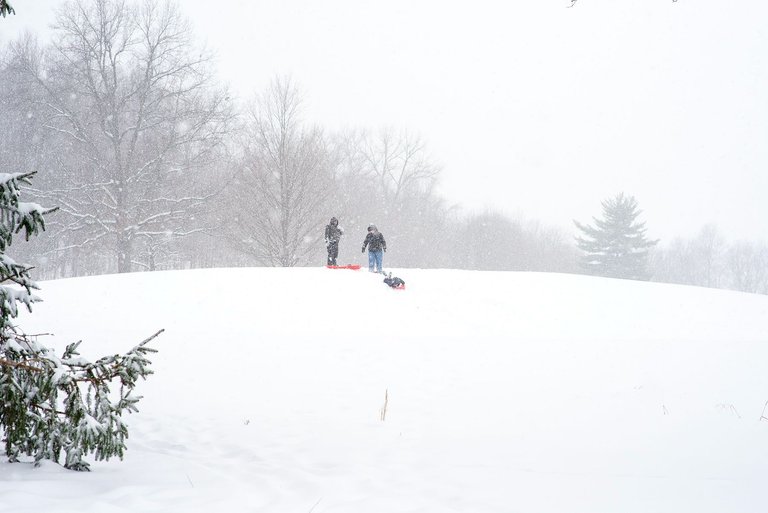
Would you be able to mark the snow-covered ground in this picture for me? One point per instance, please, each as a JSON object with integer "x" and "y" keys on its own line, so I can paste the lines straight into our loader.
{"x": 507, "y": 392}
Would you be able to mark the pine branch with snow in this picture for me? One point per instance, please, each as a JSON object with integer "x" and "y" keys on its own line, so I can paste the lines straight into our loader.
{"x": 5, "y": 8}
{"x": 67, "y": 405}
{"x": 52, "y": 405}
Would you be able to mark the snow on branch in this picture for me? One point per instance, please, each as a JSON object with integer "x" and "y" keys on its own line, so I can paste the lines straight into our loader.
{"x": 67, "y": 404}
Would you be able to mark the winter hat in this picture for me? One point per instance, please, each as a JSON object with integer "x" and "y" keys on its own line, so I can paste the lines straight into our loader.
{"x": 371, "y": 227}
{"x": 334, "y": 220}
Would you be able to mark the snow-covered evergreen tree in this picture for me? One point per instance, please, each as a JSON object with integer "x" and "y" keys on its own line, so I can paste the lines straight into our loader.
{"x": 616, "y": 247}
{"x": 51, "y": 405}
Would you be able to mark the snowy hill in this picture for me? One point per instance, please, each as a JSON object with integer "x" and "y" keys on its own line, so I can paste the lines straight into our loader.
{"x": 505, "y": 392}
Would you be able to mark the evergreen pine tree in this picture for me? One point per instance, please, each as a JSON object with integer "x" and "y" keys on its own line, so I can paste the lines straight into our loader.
{"x": 51, "y": 405}
{"x": 616, "y": 247}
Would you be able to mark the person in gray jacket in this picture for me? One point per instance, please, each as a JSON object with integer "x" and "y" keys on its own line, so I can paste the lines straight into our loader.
{"x": 376, "y": 248}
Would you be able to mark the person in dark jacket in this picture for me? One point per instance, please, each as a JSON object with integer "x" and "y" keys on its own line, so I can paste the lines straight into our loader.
{"x": 376, "y": 248}
{"x": 394, "y": 282}
{"x": 332, "y": 235}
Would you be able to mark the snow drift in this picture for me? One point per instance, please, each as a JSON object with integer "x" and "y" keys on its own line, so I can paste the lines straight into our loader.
{"x": 504, "y": 392}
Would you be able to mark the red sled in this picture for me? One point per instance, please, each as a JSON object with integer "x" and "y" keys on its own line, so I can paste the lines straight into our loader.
{"x": 354, "y": 267}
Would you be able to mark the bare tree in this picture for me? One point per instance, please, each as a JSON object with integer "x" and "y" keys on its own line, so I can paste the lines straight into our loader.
{"x": 399, "y": 163}
{"x": 133, "y": 99}
{"x": 284, "y": 183}
{"x": 388, "y": 178}
{"x": 697, "y": 261}
{"x": 708, "y": 261}
{"x": 709, "y": 249}
{"x": 675, "y": 263}
{"x": 493, "y": 241}
{"x": 748, "y": 267}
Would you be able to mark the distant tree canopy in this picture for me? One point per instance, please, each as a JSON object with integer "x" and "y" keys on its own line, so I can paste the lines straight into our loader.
{"x": 616, "y": 247}
{"x": 130, "y": 114}
{"x": 5, "y": 8}
{"x": 708, "y": 260}
{"x": 284, "y": 181}
{"x": 155, "y": 166}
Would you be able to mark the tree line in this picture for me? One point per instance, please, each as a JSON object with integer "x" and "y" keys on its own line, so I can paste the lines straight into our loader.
{"x": 154, "y": 165}
{"x": 616, "y": 246}
{"x": 709, "y": 260}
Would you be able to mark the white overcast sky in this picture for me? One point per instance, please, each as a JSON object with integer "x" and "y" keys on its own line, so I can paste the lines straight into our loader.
{"x": 530, "y": 107}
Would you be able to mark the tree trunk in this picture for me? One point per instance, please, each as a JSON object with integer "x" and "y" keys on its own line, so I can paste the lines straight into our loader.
{"x": 124, "y": 256}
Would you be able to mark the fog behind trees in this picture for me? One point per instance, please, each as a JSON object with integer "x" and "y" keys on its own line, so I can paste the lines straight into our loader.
{"x": 156, "y": 166}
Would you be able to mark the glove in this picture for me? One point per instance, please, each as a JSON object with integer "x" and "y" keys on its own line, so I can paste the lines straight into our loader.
{"x": 363, "y": 250}
{"x": 385, "y": 250}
